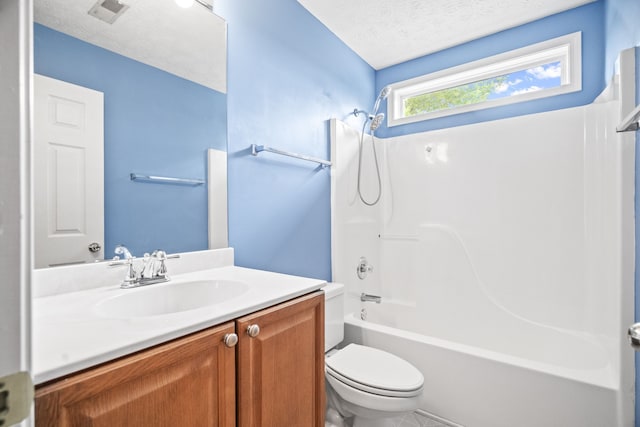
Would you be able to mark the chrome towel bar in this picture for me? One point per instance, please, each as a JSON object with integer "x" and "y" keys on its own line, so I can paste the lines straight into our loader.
{"x": 255, "y": 149}
{"x": 165, "y": 179}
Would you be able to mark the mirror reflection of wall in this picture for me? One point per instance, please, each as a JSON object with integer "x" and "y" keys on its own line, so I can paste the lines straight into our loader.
{"x": 155, "y": 122}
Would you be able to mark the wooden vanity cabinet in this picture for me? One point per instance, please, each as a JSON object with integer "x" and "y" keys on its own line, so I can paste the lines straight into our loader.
{"x": 281, "y": 369}
{"x": 187, "y": 382}
{"x": 191, "y": 381}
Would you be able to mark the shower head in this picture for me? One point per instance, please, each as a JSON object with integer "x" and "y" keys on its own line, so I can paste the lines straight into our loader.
{"x": 376, "y": 121}
{"x": 383, "y": 95}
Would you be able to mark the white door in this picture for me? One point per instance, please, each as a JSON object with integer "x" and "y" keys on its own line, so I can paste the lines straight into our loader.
{"x": 68, "y": 173}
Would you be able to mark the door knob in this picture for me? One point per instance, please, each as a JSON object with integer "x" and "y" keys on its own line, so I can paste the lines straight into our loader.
{"x": 230, "y": 340}
{"x": 94, "y": 247}
{"x": 253, "y": 330}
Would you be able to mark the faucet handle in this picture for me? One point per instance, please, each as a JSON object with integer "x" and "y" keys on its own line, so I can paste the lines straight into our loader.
{"x": 162, "y": 256}
{"x": 363, "y": 268}
{"x": 131, "y": 277}
{"x": 148, "y": 266}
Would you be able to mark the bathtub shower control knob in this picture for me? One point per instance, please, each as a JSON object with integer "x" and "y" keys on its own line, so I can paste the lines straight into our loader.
{"x": 253, "y": 330}
{"x": 230, "y": 340}
{"x": 364, "y": 268}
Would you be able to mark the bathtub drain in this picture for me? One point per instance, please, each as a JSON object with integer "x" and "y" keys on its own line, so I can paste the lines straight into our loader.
{"x": 363, "y": 314}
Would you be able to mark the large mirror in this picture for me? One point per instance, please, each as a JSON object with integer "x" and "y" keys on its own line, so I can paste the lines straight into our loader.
{"x": 160, "y": 71}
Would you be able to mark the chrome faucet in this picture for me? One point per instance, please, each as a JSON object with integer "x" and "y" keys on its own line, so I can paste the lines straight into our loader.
{"x": 122, "y": 250}
{"x": 372, "y": 298}
{"x": 154, "y": 269}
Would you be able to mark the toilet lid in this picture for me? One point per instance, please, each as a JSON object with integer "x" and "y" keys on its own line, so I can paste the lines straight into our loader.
{"x": 375, "y": 371}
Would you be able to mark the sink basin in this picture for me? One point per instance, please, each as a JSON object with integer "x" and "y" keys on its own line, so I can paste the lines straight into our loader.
{"x": 156, "y": 300}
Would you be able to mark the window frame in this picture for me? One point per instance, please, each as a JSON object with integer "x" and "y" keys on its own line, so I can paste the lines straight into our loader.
{"x": 566, "y": 49}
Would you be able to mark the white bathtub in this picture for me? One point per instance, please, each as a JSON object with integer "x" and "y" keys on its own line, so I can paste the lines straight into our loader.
{"x": 485, "y": 383}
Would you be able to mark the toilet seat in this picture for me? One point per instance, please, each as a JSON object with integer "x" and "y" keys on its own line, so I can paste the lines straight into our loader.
{"x": 374, "y": 371}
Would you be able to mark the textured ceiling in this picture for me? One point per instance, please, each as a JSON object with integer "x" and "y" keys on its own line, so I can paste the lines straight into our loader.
{"x": 190, "y": 43}
{"x": 388, "y": 32}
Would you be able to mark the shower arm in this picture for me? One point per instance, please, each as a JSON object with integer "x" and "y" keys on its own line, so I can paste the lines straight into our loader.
{"x": 356, "y": 112}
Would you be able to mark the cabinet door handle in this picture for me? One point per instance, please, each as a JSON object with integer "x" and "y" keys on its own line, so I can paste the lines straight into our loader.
{"x": 230, "y": 340}
{"x": 253, "y": 330}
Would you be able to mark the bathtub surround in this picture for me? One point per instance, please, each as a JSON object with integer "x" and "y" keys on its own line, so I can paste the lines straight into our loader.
{"x": 490, "y": 249}
{"x": 155, "y": 123}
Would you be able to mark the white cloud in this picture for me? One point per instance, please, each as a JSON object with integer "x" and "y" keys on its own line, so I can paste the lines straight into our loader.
{"x": 506, "y": 85}
{"x": 548, "y": 72}
{"x": 501, "y": 88}
{"x": 526, "y": 90}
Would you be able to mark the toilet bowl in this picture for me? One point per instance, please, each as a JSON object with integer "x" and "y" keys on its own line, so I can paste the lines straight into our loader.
{"x": 365, "y": 386}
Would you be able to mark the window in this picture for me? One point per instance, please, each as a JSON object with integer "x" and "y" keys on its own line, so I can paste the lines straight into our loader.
{"x": 545, "y": 69}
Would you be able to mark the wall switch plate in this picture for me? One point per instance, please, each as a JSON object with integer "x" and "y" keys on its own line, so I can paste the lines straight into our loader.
{"x": 16, "y": 396}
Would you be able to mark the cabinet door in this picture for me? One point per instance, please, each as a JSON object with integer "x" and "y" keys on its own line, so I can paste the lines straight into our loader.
{"x": 281, "y": 370}
{"x": 186, "y": 382}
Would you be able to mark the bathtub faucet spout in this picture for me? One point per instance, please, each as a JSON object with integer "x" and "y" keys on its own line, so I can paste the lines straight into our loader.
{"x": 372, "y": 298}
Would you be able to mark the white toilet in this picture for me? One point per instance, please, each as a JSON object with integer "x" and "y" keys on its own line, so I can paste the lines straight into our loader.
{"x": 365, "y": 386}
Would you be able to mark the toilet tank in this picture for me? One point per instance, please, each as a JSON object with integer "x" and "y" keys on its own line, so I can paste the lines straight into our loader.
{"x": 333, "y": 315}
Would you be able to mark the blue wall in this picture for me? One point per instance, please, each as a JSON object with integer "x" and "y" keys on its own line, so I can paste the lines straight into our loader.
{"x": 622, "y": 30}
{"x": 588, "y": 19}
{"x": 155, "y": 123}
{"x": 622, "y": 26}
{"x": 287, "y": 75}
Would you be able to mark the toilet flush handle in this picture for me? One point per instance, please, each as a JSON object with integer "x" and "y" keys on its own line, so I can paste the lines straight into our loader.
{"x": 253, "y": 330}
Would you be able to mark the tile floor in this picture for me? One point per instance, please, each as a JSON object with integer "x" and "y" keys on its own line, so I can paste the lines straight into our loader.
{"x": 411, "y": 420}
{"x": 418, "y": 420}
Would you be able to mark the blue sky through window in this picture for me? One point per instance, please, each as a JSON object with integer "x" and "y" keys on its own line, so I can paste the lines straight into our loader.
{"x": 534, "y": 79}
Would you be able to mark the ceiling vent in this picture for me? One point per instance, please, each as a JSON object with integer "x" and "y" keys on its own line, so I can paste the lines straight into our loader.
{"x": 108, "y": 10}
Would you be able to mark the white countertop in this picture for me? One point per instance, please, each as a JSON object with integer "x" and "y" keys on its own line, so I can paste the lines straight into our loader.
{"x": 69, "y": 334}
